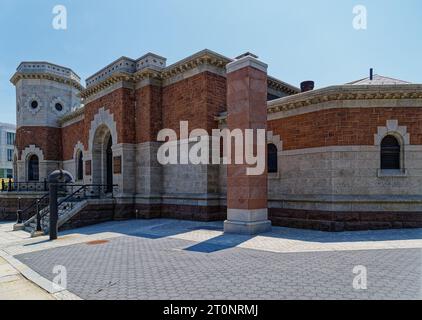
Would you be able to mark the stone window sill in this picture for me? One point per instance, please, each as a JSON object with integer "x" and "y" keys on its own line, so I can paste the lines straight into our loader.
{"x": 392, "y": 173}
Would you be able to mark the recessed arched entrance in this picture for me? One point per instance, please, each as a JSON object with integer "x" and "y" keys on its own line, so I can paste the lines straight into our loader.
{"x": 33, "y": 168}
{"x": 102, "y": 158}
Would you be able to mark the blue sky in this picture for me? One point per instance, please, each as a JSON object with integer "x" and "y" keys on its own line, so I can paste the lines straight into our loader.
{"x": 300, "y": 39}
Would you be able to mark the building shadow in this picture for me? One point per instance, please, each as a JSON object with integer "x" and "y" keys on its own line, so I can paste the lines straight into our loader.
{"x": 155, "y": 229}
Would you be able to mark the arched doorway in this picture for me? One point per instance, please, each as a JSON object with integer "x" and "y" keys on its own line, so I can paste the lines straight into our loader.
{"x": 102, "y": 158}
{"x": 33, "y": 168}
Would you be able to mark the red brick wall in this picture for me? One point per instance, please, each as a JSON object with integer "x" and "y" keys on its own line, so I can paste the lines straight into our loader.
{"x": 141, "y": 114}
{"x": 48, "y": 139}
{"x": 70, "y": 137}
{"x": 352, "y": 126}
{"x": 148, "y": 113}
{"x": 196, "y": 99}
{"x": 120, "y": 103}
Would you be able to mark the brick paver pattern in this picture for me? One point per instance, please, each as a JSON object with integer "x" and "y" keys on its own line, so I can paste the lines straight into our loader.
{"x": 149, "y": 267}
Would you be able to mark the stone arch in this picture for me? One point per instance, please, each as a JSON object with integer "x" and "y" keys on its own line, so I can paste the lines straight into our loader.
{"x": 393, "y": 129}
{"x": 103, "y": 117}
{"x": 27, "y": 153}
{"x": 275, "y": 139}
{"x": 102, "y": 157}
{"x": 32, "y": 149}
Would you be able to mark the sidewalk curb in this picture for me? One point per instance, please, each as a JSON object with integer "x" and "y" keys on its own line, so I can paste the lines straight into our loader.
{"x": 34, "y": 277}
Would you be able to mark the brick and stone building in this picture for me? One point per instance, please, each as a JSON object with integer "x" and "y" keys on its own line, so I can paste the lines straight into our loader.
{"x": 345, "y": 157}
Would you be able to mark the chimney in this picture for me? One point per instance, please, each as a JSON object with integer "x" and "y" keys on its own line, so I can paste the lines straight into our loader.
{"x": 307, "y": 86}
{"x": 371, "y": 74}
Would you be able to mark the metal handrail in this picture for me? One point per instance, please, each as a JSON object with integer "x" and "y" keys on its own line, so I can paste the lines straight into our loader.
{"x": 81, "y": 188}
{"x": 33, "y": 204}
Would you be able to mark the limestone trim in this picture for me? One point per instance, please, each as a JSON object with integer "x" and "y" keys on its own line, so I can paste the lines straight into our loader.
{"x": 28, "y": 102}
{"x": 246, "y": 61}
{"x": 45, "y": 76}
{"x": 392, "y": 128}
{"x": 276, "y": 140}
{"x": 282, "y": 86}
{"x": 32, "y": 150}
{"x": 71, "y": 116}
{"x": 345, "y": 93}
{"x": 205, "y": 60}
{"x": 78, "y": 147}
{"x": 116, "y": 77}
{"x": 103, "y": 117}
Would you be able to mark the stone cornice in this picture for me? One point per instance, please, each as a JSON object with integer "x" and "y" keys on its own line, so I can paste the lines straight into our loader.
{"x": 117, "y": 77}
{"x": 146, "y": 74}
{"x": 340, "y": 93}
{"x": 70, "y": 116}
{"x": 203, "y": 57}
{"x": 279, "y": 85}
{"x": 345, "y": 92}
{"x": 171, "y": 73}
{"x": 45, "y": 76}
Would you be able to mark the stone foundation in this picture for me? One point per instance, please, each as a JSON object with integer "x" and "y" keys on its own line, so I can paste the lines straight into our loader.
{"x": 182, "y": 212}
{"x": 344, "y": 221}
{"x": 9, "y": 204}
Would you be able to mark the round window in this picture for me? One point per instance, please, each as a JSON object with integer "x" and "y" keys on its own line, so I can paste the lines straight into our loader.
{"x": 59, "y": 107}
{"x": 34, "y": 104}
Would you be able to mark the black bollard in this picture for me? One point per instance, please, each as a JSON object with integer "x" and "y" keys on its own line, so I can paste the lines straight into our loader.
{"x": 38, "y": 217}
{"x": 54, "y": 213}
{"x": 19, "y": 217}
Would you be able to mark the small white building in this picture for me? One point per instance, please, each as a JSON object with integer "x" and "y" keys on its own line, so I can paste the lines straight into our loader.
{"x": 7, "y": 146}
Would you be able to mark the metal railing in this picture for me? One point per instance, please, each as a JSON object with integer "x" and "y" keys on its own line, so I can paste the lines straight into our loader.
{"x": 69, "y": 194}
{"x": 29, "y": 186}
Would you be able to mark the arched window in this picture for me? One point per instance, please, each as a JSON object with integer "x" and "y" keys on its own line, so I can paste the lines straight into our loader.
{"x": 33, "y": 168}
{"x": 390, "y": 153}
{"x": 80, "y": 166}
{"x": 272, "y": 158}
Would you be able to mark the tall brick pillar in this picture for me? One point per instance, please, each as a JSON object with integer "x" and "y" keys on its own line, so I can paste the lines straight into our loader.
{"x": 247, "y": 211}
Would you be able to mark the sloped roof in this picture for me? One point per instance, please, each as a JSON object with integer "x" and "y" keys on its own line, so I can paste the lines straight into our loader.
{"x": 378, "y": 80}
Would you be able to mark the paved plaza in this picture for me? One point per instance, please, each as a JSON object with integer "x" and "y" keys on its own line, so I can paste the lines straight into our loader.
{"x": 170, "y": 259}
